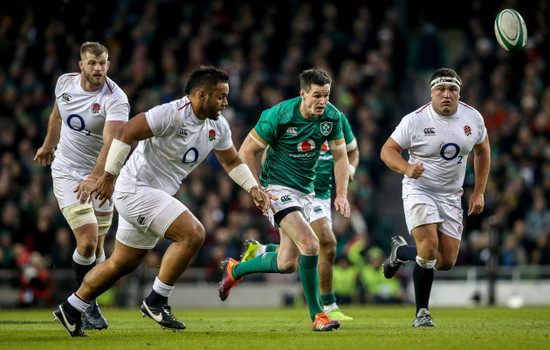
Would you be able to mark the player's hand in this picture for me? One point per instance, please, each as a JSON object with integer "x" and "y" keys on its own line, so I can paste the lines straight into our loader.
{"x": 414, "y": 171}
{"x": 44, "y": 155}
{"x": 342, "y": 205}
{"x": 262, "y": 200}
{"x": 84, "y": 190}
{"x": 476, "y": 204}
{"x": 104, "y": 188}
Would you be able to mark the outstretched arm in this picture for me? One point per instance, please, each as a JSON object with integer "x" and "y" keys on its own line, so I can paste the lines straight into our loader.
{"x": 135, "y": 130}
{"x": 353, "y": 158}
{"x": 251, "y": 152}
{"x": 482, "y": 164}
{"x": 88, "y": 185}
{"x": 341, "y": 175}
{"x": 241, "y": 174}
{"x": 45, "y": 154}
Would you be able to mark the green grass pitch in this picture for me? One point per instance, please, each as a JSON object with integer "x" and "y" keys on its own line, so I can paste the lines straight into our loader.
{"x": 374, "y": 327}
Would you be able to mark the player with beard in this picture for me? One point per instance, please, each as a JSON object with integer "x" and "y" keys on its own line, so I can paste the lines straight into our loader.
{"x": 88, "y": 109}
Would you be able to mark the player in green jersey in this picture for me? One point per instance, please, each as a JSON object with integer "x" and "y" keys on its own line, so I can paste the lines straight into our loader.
{"x": 321, "y": 222}
{"x": 295, "y": 131}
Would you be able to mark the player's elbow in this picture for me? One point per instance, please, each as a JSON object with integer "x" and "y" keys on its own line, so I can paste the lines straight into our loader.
{"x": 384, "y": 155}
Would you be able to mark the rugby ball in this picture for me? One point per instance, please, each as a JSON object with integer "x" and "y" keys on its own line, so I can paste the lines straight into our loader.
{"x": 510, "y": 30}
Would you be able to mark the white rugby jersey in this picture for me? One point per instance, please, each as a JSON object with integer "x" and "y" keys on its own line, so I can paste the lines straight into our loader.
{"x": 441, "y": 144}
{"x": 84, "y": 114}
{"x": 180, "y": 143}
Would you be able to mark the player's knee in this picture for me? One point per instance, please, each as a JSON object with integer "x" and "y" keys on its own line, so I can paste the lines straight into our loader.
{"x": 287, "y": 266}
{"x": 328, "y": 247}
{"x": 310, "y": 245}
{"x": 87, "y": 247}
{"x": 104, "y": 223}
{"x": 87, "y": 243}
{"x": 444, "y": 265}
{"x": 195, "y": 236}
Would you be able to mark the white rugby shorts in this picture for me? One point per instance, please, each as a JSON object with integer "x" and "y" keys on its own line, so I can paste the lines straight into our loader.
{"x": 286, "y": 198}
{"x": 320, "y": 209}
{"x": 65, "y": 180}
{"x": 144, "y": 216}
{"x": 423, "y": 207}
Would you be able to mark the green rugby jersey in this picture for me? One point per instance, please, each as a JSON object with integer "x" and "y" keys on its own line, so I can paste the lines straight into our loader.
{"x": 295, "y": 143}
{"x": 323, "y": 173}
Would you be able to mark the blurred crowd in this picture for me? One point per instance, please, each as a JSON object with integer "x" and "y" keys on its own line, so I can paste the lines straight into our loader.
{"x": 380, "y": 54}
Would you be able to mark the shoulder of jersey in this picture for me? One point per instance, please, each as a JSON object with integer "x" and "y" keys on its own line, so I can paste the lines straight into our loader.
{"x": 67, "y": 78}
{"x": 180, "y": 104}
{"x": 112, "y": 87}
{"x": 332, "y": 112}
{"x": 460, "y": 103}
{"x": 284, "y": 111}
{"x": 465, "y": 108}
{"x": 422, "y": 109}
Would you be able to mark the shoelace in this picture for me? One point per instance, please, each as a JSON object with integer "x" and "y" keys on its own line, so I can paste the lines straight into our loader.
{"x": 324, "y": 318}
{"x": 167, "y": 310}
{"x": 425, "y": 319}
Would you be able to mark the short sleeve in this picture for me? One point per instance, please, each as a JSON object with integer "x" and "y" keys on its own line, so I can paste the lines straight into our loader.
{"x": 160, "y": 119}
{"x": 267, "y": 125}
{"x": 402, "y": 133}
{"x": 346, "y": 129}
{"x": 225, "y": 141}
{"x": 336, "y": 132}
{"x": 118, "y": 107}
{"x": 482, "y": 130}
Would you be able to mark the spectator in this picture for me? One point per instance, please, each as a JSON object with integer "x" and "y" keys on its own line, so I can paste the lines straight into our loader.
{"x": 38, "y": 43}
{"x": 346, "y": 278}
{"x": 61, "y": 252}
{"x": 36, "y": 283}
{"x": 379, "y": 290}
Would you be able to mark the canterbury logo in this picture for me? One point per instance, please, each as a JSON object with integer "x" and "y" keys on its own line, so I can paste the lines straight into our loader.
{"x": 66, "y": 97}
{"x": 292, "y": 131}
{"x": 429, "y": 131}
{"x": 286, "y": 198}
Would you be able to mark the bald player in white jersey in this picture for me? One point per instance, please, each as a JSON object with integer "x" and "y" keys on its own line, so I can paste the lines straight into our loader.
{"x": 89, "y": 107}
{"x": 174, "y": 139}
{"x": 439, "y": 137}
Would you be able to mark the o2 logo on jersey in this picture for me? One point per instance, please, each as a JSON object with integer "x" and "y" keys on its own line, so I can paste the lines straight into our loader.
{"x": 76, "y": 122}
{"x": 450, "y": 151}
{"x": 306, "y": 145}
{"x": 190, "y": 156}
